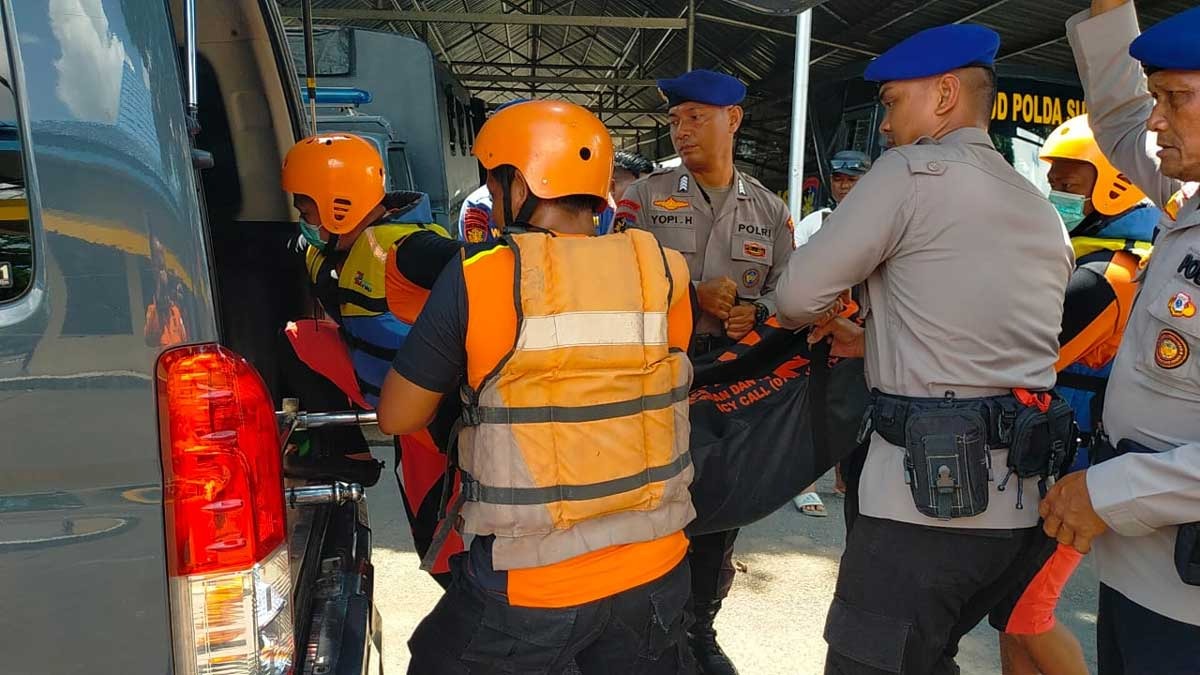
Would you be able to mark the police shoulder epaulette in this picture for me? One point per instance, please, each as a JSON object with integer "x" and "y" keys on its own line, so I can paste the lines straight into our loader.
{"x": 752, "y": 182}
{"x": 920, "y": 159}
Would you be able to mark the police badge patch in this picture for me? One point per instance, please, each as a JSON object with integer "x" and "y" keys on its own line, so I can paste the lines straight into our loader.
{"x": 1171, "y": 350}
{"x": 672, "y": 204}
{"x": 1181, "y": 306}
{"x": 750, "y": 278}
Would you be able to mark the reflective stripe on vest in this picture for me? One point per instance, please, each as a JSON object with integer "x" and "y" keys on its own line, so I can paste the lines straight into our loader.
{"x": 578, "y": 440}
{"x": 585, "y": 329}
{"x": 1085, "y": 245}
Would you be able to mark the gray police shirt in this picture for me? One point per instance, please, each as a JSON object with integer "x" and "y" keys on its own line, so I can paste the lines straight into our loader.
{"x": 966, "y": 265}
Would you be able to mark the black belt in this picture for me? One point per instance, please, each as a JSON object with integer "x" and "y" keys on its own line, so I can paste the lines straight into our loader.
{"x": 1103, "y": 450}
{"x": 888, "y": 415}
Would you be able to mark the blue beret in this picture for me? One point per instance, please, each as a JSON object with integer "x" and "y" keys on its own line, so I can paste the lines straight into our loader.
{"x": 703, "y": 86}
{"x": 1171, "y": 44}
{"x": 935, "y": 51}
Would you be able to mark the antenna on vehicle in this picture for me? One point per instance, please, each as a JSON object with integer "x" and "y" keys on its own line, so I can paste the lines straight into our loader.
{"x": 201, "y": 159}
{"x": 310, "y": 67}
{"x": 193, "y": 96}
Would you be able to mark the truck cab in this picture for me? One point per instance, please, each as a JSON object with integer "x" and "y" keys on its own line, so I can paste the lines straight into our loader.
{"x": 338, "y": 110}
{"x": 145, "y": 276}
{"x": 417, "y": 95}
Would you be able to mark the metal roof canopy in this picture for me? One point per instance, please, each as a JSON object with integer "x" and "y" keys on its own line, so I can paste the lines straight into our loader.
{"x": 606, "y": 54}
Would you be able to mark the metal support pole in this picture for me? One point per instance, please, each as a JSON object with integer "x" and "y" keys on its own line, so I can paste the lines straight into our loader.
{"x": 691, "y": 32}
{"x": 310, "y": 67}
{"x": 193, "y": 96}
{"x": 333, "y": 493}
{"x": 799, "y": 113}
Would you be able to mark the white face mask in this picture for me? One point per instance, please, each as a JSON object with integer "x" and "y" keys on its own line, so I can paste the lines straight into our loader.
{"x": 1069, "y": 207}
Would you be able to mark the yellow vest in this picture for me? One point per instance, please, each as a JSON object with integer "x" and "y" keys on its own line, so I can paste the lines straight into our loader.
{"x": 362, "y": 279}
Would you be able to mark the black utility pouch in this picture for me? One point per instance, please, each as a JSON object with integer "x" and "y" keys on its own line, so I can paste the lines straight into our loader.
{"x": 947, "y": 461}
{"x": 1040, "y": 443}
{"x": 1187, "y": 553}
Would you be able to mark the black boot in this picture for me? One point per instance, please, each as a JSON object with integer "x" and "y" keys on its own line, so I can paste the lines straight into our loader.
{"x": 702, "y": 638}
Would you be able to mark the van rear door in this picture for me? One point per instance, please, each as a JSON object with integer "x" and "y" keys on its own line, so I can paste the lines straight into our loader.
{"x": 117, "y": 270}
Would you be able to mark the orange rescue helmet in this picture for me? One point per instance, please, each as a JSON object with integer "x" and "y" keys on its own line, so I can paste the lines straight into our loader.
{"x": 562, "y": 149}
{"x": 1073, "y": 140}
{"x": 341, "y": 172}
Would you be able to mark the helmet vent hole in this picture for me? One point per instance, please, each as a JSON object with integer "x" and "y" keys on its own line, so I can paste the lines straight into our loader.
{"x": 585, "y": 154}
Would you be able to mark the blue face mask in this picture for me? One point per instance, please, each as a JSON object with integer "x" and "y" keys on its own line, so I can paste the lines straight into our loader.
{"x": 1070, "y": 207}
{"x": 312, "y": 235}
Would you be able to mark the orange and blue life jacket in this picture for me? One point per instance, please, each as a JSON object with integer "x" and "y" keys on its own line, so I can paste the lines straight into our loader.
{"x": 355, "y": 295}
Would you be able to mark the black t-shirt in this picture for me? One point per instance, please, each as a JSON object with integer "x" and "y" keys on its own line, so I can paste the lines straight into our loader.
{"x": 434, "y": 356}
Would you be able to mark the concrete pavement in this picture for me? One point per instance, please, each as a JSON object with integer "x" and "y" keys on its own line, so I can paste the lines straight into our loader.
{"x": 770, "y": 625}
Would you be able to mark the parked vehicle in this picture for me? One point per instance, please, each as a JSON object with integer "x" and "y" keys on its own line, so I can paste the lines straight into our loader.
{"x": 145, "y": 522}
{"x": 338, "y": 109}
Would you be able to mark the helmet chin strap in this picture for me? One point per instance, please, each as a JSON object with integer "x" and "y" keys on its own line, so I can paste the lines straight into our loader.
{"x": 506, "y": 175}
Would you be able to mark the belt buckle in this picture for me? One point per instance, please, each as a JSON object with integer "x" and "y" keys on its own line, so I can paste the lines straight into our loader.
{"x": 471, "y": 416}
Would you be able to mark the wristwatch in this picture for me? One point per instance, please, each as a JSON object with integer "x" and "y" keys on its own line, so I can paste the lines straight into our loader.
{"x": 761, "y": 313}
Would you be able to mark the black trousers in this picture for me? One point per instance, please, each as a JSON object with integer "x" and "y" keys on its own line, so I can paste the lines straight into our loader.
{"x": 907, "y": 593}
{"x": 640, "y": 631}
{"x": 1133, "y": 640}
{"x": 852, "y": 468}
{"x": 711, "y": 559}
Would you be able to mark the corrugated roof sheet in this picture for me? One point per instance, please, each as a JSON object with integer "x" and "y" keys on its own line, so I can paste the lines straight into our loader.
{"x": 846, "y": 33}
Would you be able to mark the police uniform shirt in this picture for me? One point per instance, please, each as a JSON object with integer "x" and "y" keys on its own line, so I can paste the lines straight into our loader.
{"x": 966, "y": 265}
{"x": 749, "y": 240}
{"x": 1153, "y": 395}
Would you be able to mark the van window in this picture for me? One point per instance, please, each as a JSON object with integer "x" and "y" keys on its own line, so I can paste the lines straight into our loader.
{"x": 463, "y": 124}
{"x": 16, "y": 241}
{"x": 398, "y": 170}
{"x": 332, "y": 47}
{"x": 452, "y": 119}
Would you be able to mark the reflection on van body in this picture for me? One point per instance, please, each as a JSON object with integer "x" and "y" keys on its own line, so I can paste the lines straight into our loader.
{"x": 101, "y": 139}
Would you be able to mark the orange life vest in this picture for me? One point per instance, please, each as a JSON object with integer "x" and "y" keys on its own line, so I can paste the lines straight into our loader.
{"x": 578, "y": 440}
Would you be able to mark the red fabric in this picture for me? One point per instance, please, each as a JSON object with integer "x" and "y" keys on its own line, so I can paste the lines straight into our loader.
{"x": 422, "y": 468}
{"x": 1034, "y": 611}
{"x": 319, "y": 345}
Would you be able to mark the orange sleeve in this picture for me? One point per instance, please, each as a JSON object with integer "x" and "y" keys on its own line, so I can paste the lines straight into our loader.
{"x": 1094, "y": 334}
{"x": 1091, "y": 311}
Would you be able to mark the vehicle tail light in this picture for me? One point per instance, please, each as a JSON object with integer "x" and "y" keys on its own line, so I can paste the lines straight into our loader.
{"x": 231, "y": 589}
